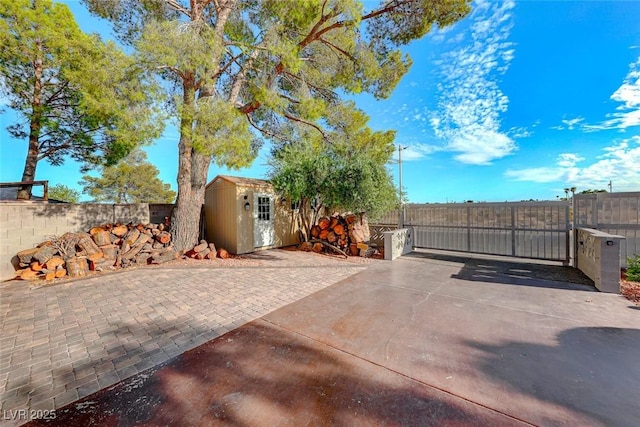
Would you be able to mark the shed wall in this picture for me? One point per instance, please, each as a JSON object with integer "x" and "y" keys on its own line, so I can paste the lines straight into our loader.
{"x": 286, "y": 226}
{"x": 220, "y": 209}
{"x": 230, "y": 226}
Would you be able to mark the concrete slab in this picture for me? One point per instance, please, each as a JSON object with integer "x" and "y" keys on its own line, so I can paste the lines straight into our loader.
{"x": 263, "y": 375}
{"x": 550, "y": 353}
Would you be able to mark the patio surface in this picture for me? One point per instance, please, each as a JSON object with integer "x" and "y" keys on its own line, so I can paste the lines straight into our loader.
{"x": 63, "y": 342}
{"x": 428, "y": 339}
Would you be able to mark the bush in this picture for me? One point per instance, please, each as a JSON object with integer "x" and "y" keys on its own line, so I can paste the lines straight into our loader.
{"x": 633, "y": 268}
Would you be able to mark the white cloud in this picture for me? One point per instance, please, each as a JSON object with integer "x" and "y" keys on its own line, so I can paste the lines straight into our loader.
{"x": 416, "y": 152}
{"x": 628, "y": 94}
{"x": 569, "y": 124}
{"x": 440, "y": 33}
{"x": 618, "y": 164}
{"x": 469, "y": 99}
{"x": 520, "y": 132}
{"x": 568, "y": 160}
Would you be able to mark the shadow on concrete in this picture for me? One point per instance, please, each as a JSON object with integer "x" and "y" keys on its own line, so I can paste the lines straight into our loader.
{"x": 592, "y": 370}
{"x": 260, "y": 374}
{"x": 515, "y": 272}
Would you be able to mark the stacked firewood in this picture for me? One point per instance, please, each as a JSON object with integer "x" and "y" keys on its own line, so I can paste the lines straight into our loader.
{"x": 205, "y": 250}
{"x": 347, "y": 234}
{"x": 107, "y": 247}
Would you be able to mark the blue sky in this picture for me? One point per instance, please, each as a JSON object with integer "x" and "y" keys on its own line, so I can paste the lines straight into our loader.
{"x": 517, "y": 101}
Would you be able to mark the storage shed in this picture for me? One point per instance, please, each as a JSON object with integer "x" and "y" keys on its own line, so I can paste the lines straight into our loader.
{"x": 244, "y": 215}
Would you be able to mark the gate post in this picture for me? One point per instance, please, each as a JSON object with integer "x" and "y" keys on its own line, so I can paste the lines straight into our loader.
{"x": 570, "y": 233}
{"x": 468, "y": 229}
{"x": 513, "y": 231}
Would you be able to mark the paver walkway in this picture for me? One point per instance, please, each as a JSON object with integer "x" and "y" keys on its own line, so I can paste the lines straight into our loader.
{"x": 63, "y": 342}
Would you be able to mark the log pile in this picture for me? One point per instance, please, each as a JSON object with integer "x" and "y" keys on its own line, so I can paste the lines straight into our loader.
{"x": 107, "y": 247}
{"x": 346, "y": 234}
{"x": 205, "y": 250}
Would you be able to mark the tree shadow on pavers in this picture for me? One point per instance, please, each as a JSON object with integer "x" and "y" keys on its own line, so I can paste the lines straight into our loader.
{"x": 522, "y": 273}
{"x": 263, "y": 255}
{"x": 119, "y": 351}
{"x": 592, "y": 370}
{"x": 262, "y": 375}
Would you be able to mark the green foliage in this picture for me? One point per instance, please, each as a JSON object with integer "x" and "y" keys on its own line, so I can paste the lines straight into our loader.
{"x": 276, "y": 70}
{"x": 347, "y": 175}
{"x": 222, "y": 133}
{"x": 132, "y": 180}
{"x": 633, "y": 268}
{"x": 64, "y": 194}
{"x": 76, "y": 95}
{"x": 592, "y": 191}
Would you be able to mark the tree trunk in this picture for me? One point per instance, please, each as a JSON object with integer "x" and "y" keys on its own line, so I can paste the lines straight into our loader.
{"x": 35, "y": 125}
{"x": 185, "y": 217}
{"x": 192, "y": 179}
{"x": 26, "y": 255}
{"x": 77, "y": 267}
{"x": 101, "y": 237}
{"x": 164, "y": 257}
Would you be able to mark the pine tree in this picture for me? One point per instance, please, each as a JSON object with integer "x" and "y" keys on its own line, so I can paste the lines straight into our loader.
{"x": 132, "y": 180}
{"x": 76, "y": 96}
{"x": 241, "y": 71}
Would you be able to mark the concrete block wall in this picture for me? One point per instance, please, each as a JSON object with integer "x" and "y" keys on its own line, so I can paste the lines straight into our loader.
{"x": 598, "y": 256}
{"x": 157, "y": 212}
{"x": 24, "y": 225}
{"x": 397, "y": 243}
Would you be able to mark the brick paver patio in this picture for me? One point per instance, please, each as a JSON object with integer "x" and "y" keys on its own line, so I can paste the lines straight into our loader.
{"x": 63, "y": 342}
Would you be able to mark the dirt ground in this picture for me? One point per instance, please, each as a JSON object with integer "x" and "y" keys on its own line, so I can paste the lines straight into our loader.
{"x": 630, "y": 290}
{"x": 255, "y": 259}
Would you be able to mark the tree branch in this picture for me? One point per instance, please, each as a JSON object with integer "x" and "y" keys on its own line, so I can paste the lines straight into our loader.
{"x": 316, "y": 33}
{"x": 239, "y": 80}
{"x": 172, "y": 69}
{"x": 177, "y": 7}
{"x": 313, "y": 125}
{"x": 329, "y": 245}
{"x": 288, "y": 98}
{"x": 261, "y": 130}
{"x": 342, "y": 51}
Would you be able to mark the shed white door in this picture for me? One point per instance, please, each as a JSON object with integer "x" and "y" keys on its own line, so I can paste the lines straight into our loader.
{"x": 263, "y": 230}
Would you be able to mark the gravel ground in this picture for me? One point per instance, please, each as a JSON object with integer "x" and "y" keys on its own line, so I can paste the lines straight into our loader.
{"x": 266, "y": 258}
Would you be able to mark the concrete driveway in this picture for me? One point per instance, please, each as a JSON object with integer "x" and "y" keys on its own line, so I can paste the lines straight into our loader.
{"x": 428, "y": 339}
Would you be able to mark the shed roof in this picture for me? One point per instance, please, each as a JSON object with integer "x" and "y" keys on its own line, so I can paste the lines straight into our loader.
{"x": 240, "y": 180}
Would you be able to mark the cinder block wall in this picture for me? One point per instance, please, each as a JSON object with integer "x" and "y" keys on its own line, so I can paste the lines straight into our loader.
{"x": 24, "y": 225}
{"x": 598, "y": 256}
{"x": 157, "y": 212}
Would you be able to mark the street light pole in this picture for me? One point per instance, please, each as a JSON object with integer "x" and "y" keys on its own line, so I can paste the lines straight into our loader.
{"x": 401, "y": 213}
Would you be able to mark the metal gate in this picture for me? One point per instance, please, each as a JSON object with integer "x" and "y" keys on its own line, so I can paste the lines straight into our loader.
{"x": 539, "y": 230}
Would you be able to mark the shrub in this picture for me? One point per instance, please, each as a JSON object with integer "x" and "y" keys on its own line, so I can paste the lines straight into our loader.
{"x": 633, "y": 268}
